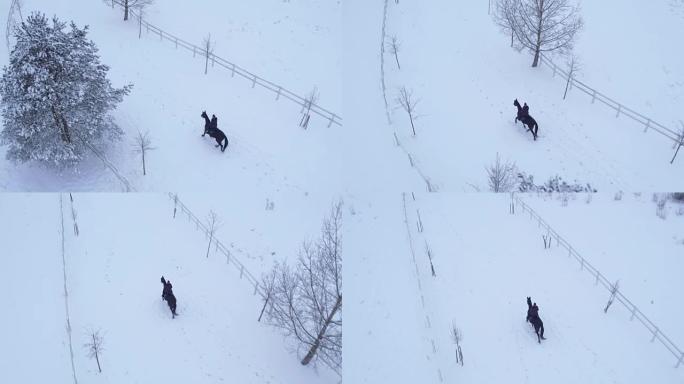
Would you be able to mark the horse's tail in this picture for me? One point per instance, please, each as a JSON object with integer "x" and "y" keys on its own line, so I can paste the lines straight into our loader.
{"x": 225, "y": 138}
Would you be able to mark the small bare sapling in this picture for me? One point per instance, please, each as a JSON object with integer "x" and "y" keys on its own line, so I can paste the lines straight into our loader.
{"x": 393, "y": 46}
{"x": 408, "y": 104}
{"x": 573, "y": 68}
{"x": 213, "y": 223}
{"x": 613, "y": 291}
{"x": 457, "y": 337}
{"x": 95, "y": 346}
{"x": 208, "y": 47}
{"x": 310, "y": 100}
{"x": 428, "y": 251}
{"x": 142, "y": 145}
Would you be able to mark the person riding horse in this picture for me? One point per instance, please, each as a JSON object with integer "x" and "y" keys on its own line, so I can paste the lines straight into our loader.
{"x": 524, "y": 116}
{"x": 535, "y": 320}
{"x": 211, "y": 128}
{"x": 167, "y": 294}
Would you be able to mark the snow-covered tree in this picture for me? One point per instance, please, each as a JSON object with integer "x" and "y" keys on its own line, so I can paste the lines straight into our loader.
{"x": 306, "y": 301}
{"x": 56, "y": 95}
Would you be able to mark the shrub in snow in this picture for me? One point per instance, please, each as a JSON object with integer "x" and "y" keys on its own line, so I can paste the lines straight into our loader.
{"x": 55, "y": 95}
{"x": 501, "y": 176}
{"x": 554, "y": 184}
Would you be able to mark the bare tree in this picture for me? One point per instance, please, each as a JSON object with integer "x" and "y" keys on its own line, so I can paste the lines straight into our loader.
{"x": 613, "y": 291}
{"x": 573, "y": 67}
{"x": 501, "y": 175}
{"x": 307, "y": 301}
{"x": 408, "y": 103}
{"x": 143, "y": 143}
{"x": 546, "y": 25}
{"x": 393, "y": 46}
{"x": 213, "y": 223}
{"x": 679, "y": 143}
{"x": 95, "y": 346}
{"x": 15, "y": 7}
{"x": 457, "y": 337}
{"x": 306, "y": 108}
{"x": 208, "y": 49}
{"x": 135, "y": 5}
{"x": 504, "y": 16}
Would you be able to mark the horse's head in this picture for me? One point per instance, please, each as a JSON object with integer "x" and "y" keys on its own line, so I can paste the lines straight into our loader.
{"x": 204, "y": 114}
{"x": 515, "y": 102}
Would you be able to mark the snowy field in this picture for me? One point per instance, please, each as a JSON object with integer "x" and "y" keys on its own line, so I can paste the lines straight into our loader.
{"x": 125, "y": 243}
{"x": 465, "y": 76}
{"x": 486, "y": 263}
{"x": 267, "y": 148}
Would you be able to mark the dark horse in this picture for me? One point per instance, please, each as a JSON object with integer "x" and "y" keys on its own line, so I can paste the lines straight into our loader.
{"x": 214, "y": 132}
{"x": 167, "y": 294}
{"x": 533, "y": 317}
{"x": 526, "y": 119}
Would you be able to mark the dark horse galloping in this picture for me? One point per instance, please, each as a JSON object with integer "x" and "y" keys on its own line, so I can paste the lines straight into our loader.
{"x": 526, "y": 119}
{"x": 533, "y": 317}
{"x": 167, "y": 294}
{"x": 214, "y": 132}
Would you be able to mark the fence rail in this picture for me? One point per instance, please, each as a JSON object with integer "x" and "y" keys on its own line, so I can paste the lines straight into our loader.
{"x": 636, "y": 313}
{"x": 280, "y": 91}
{"x": 230, "y": 257}
{"x": 620, "y": 109}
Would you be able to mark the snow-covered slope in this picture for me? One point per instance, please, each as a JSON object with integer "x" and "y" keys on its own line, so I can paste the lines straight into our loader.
{"x": 466, "y": 76}
{"x": 267, "y": 148}
{"x": 125, "y": 243}
{"x": 486, "y": 261}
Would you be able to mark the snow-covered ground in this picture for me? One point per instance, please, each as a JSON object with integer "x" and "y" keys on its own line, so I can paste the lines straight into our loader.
{"x": 466, "y": 76}
{"x": 267, "y": 148}
{"x": 125, "y": 243}
{"x": 486, "y": 262}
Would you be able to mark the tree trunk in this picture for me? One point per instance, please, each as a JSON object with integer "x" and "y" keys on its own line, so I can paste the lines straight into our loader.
{"x": 535, "y": 62}
{"x": 61, "y": 124}
{"x": 143, "y": 156}
{"x": 317, "y": 343}
{"x": 206, "y": 62}
{"x": 264, "y": 307}
{"x": 537, "y": 47}
{"x": 412, "y": 126}
{"x": 125, "y": 10}
{"x": 675, "y": 155}
{"x": 396, "y": 57}
{"x": 209, "y": 245}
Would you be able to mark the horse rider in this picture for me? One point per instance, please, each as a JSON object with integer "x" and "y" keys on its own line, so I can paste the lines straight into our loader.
{"x": 525, "y": 111}
{"x": 214, "y": 122}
